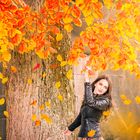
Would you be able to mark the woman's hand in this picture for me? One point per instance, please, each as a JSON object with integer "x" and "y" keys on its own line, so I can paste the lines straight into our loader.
{"x": 67, "y": 132}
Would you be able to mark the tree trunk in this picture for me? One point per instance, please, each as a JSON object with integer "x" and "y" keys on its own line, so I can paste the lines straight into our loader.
{"x": 20, "y": 94}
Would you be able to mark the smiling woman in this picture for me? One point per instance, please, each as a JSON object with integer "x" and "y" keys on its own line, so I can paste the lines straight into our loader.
{"x": 97, "y": 99}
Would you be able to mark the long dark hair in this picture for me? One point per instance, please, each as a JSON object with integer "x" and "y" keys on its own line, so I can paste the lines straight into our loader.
{"x": 107, "y": 93}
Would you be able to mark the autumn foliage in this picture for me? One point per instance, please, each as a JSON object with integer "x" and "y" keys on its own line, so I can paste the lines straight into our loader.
{"x": 112, "y": 39}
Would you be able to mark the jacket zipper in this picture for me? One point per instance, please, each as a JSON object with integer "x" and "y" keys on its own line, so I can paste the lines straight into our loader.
{"x": 88, "y": 124}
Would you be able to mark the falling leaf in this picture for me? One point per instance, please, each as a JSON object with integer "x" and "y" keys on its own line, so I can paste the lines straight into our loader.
{"x": 34, "y": 103}
{"x": 59, "y": 57}
{"x": 106, "y": 113}
{"x": 57, "y": 84}
{"x": 59, "y": 36}
{"x": 137, "y": 99}
{"x": 13, "y": 69}
{"x": 138, "y": 130}
{"x": 6, "y": 114}
{"x": 42, "y": 107}
{"x": 37, "y": 123}
{"x": 127, "y": 101}
{"x": 123, "y": 97}
{"x": 4, "y": 80}
{"x": 44, "y": 75}
{"x": 1, "y": 75}
{"x": 46, "y": 118}
{"x": 34, "y": 117}
{"x": 69, "y": 74}
{"x": 60, "y": 97}
{"x": 91, "y": 133}
{"x": 37, "y": 66}
{"x": 2, "y": 101}
{"x": 48, "y": 104}
{"x": 30, "y": 81}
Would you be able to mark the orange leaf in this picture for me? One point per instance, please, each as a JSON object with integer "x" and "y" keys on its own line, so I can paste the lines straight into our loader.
{"x": 16, "y": 39}
{"x": 37, "y": 122}
{"x": 13, "y": 69}
{"x": 23, "y": 47}
{"x": 21, "y": 23}
{"x": 77, "y": 22}
{"x": 91, "y": 133}
{"x": 42, "y": 107}
{"x": 76, "y": 12}
{"x": 34, "y": 103}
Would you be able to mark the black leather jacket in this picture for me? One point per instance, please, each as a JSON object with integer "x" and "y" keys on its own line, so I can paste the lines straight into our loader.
{"x": 90, "y": 113}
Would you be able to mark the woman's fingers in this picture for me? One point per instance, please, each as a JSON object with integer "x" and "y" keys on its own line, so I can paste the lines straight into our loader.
{"x": 67, "y": 132}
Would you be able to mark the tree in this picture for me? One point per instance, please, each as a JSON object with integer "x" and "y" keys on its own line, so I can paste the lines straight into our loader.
{"x": 37, "y": 57}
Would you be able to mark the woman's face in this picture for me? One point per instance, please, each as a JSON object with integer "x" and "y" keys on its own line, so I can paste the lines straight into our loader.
{"x": 101, "y": 87}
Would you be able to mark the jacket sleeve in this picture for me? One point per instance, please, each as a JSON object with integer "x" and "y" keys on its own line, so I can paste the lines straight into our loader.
{"x": 76, "y": 123}
{"x": 101, "y": 104}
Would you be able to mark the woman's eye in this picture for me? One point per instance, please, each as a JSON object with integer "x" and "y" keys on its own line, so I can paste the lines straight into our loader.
{"x": 100, "y": 84}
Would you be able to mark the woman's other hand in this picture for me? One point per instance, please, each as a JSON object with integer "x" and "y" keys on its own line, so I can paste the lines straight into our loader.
{"x": 67, "y": 132}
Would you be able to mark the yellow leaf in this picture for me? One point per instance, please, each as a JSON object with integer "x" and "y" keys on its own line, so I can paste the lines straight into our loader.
{"x": 108, "y": 3}
{"x": 67, "y": 19}
{"x": 4, "y": 80}
{"x": 106, "y": 113}
{"x": 31, "y": 44}
{"x": 63, "y": 63}
{"x": 44, "y": 75}
{"x": 69, "y": 74}
{"x": 48, "y": 104}
{"x": 6, "y": 56}
{"x": 1, "y": 75}
{"x": 127, "y": 102}
{"x": 40, "y": 54}
{"x": 59, "y": 57}
{"x": 34, "y": 117}
{"x": 123, "y": 97}
{"x": 59, "y": 36}
{"x": 3, "y": 48}
{"x": 60, "y": 97}
{"x": 46, "y": 118}
{"x": 2, "y": 101}
{"x": 6, "y": 114}
{"x": 30, "y": 81}
{"x": 91, "y": 133}
{"x": 137, "y": 99}
{"x": 57, "y": 84}
{"x": 89, "y": 20}
{"x": 68, "y": 27}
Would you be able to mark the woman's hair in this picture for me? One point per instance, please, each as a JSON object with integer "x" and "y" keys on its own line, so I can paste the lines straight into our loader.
{"x": 107, "y": 93}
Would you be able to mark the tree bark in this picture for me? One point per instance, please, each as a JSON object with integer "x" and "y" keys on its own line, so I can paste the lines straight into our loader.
{"x": 20, "y": 94}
